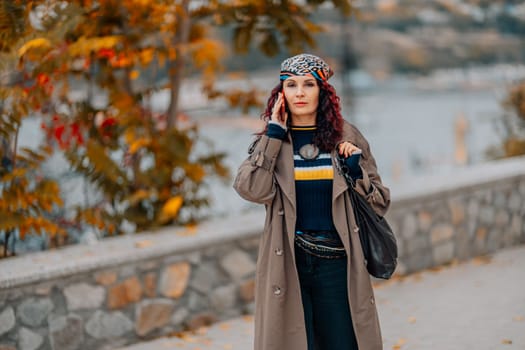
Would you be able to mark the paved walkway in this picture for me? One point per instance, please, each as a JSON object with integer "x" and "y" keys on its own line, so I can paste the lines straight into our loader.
{"x": 477, "y": 305}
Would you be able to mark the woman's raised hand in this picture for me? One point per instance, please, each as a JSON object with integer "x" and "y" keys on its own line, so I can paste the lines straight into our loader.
{"x": 346, "y": 149}
{"x": 279, "y": 115}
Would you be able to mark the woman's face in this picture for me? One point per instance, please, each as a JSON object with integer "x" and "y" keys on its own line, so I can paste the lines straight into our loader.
{"x": 302, "y": 95}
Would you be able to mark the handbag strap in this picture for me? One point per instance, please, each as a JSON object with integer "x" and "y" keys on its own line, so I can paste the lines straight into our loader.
{"x": 343, "y": 169}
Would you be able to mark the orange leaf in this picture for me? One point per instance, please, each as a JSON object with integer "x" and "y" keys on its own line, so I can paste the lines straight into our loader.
{"x": 171, "y": 208}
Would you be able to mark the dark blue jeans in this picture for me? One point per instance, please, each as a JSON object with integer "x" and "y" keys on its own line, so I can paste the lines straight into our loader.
{"x": 325, "y": 302}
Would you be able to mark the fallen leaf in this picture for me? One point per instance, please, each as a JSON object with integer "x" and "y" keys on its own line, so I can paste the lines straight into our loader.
{"x": 247, "y": 318}
{"x": 143, "y": 244}
{"x": 518, "y": 318}
{"x": 225, "y": 326}
{"x": 411, "y": 319}
{"x": 506, "y": 341}
{"x": 482, "y": 260}
{"x": 228, "y": 347}
{"x": 202, "y": 330}
{"x": 399, "y": 344}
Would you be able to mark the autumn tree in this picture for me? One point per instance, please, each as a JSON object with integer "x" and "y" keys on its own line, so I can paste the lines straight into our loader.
{"x": 88, "y": 69}
{"x": 514, "y": 121}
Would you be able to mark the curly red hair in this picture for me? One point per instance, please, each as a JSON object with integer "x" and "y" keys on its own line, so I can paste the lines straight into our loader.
{"x": 329, "y": 120}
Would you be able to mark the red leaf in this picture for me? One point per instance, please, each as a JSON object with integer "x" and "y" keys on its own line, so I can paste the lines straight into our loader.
{"x": 42, "y": 79}
{"x": 106, "y": 53}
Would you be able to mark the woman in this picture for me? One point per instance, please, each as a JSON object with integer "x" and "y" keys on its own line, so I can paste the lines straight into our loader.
{"x": 313, "y": 289}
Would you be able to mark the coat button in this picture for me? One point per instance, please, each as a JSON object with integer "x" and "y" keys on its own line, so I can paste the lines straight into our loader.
{"x": 372, "y": 301}
{"x": 278, "y": 251}
{"x": 277, "y": 290}
{"x": 280, "y": 212}
{"x": 356, "y": 229}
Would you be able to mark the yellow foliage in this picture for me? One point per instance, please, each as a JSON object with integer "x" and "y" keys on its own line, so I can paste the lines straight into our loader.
{"x": 134, "y": 74}
{"x": 207, "y": 55}
{"x": 84, "y": 46}
{"x": 138, "y": 196}
{"x": 171, "y": 208}
{"x": 129, "y": 136}
{"x": 35, "y": 48}
{"x": 39, "y": 225}
{"x": 514, "y": 147}
{"x": 138, "y": 144}
{"x": 195, "y": 172}
{"x": 146, "y": 56}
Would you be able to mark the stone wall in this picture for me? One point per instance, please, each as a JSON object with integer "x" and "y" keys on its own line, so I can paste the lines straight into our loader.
{"x": 477, "y": 211}
{"x": 124, "y": 289}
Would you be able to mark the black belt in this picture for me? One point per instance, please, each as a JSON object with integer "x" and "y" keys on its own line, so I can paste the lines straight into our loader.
{"x": 323, "y": 244}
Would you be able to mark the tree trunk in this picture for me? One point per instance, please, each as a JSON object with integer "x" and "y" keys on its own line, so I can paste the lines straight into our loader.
{"x": 176, "y": 66}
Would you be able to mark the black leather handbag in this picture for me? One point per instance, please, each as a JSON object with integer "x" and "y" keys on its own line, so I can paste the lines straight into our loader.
{"x": 377, "y": 239}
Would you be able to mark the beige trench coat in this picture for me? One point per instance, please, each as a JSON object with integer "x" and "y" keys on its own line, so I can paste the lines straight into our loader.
{"x": 267, "y": 177}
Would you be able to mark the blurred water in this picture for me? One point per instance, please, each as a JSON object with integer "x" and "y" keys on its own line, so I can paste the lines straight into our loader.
{"x": 409, "y": 123}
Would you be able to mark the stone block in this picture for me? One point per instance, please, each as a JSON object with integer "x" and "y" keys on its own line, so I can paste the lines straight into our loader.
{"x": 441, "y": 233}
{"x": 106, "y": 278}
{"x": 152, "y": 314}
{"x": 28, "y": 340}
{"x": 522, "y": 188}
{"x": 196, "y": 302}
{"x": 502, "y": 218}
{"x": 480, "y": 241}
{"x": 425, "y": 220}
{"x": 194, "y": 258}
{"x": 174, "y": 280}
{"x": 150, "y": 284}
{"x": 238, "y": 264}
{"x": 179, "y": 316}
{"x": 416, "y": 244}
{"x": 250, "y": 244}
{"x": 500, "y": 200}
{"x": 66, "y": 332}
{"x": 463, "y": 245}
{"x": 249, "y": 308}
{"x": 516, "y": 201}
{"x": 494, "y": 240}
{"x": 443, "y": 253}
{"x": 224, "y": 298}
{"x": 409, "y": 226}
{"x": 84, "y": 296}
{"x": 457, "y": 212}
{"x": 7, "y": 320}
{"x": 486, "y": 215}
{"x": 473, "y": 208}
{"x": 203, "y": 319}
{"x": 103, "y": 325}
{"x": 247, "y": 290}
{"x": 7, "y": 347}
{"x": 419, "y": 261}
{"x": 515, "y": 225}
{"x": 205, "y": 278}
{"x": 124, "y": 293}
{"x": 32, "y": 312}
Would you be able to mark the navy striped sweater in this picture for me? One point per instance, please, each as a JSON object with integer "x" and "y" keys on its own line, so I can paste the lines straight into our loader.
{"x": 313, "y": 180}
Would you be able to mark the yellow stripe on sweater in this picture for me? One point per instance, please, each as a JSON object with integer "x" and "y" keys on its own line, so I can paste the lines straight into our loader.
{"x": 314, "y": 174}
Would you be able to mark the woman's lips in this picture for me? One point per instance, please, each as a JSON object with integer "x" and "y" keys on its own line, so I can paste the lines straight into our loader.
{"x": 300, "y": 104}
